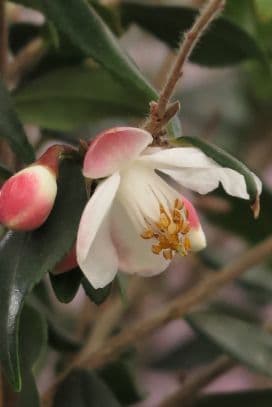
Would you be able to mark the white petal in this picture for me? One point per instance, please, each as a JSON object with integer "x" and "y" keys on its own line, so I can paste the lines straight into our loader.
{"x": 142, "y": 191}
{"x": 205, "y": 180}
{"x": 191, "y": 168}
{"x": 101, "y": 263}
{"x": 93, "y": 225}
{"x": 179, "y": 157}
{"x": 135, "y": 254}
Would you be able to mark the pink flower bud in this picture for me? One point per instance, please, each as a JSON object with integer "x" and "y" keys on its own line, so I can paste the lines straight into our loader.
{"x": 27, "y": 197}
{"x": 68, "y": 263}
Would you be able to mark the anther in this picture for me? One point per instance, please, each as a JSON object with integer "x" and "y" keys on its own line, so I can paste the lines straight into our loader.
{"x": 156, "y": 249}
{"x": 185, "y": 228}
{"x": 172, "y": 228}
{"x": 170, "y": 231}
{"x": 179, "y": 204}
{"x": 187, "y": 243}
{"x": 167, "y": 254}
{"x": 164, "y": 221}
{"x": 147, "y": 234}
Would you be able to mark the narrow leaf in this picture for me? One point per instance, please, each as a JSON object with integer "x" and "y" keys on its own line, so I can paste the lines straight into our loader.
{"x": 252, "y": 398}
{"x": 30, "y": 353}
{"x": 99, "y": 295}
{"x": 84, "y": 389}
{"x": 26, "y": 257}
{"x": 225, "y": 43}
{"x": 87, "y": 31}
{"x": 59, "y": 102}
{"x": 59, "y": 334}
{"x": 66, "y": 285}
{"x": 11, "y": 129}
{"x": 231, "y": 334}
{"x": 120, "y": 378}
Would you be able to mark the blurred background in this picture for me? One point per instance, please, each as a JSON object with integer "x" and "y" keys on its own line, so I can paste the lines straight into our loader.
{"x": 226, "y": 99}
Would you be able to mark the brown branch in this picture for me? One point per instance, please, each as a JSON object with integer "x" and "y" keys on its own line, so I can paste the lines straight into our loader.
{"x": 25, "y": 60}
{"x": 182, "y": 305}
{"x": 176, "y": 309}
{"x": 201, "y": 378}
{"x": 196, "y": 381}
{"x": 209, "y": 12}
{"x": 3, "y": 38}
{"x": 108, "y": 319}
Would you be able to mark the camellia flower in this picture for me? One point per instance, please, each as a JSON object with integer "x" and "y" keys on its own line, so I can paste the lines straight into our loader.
{"x": 136, "y": 221}
{"x": 27, "y": 197}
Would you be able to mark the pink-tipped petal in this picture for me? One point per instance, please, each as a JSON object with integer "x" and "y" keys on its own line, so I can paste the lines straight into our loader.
{"x": 27, "y": 198}
{"x": 112, "y": 150}
{"x": 196, "y": 234}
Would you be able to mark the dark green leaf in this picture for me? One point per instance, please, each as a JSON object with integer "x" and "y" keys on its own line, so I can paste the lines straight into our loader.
{"x": 252, "y": 398}
{"x": 99, "y": 295}
{"x": 193, "y": 353}
{"x": 120, "y": 378}
{"x": 224, "y": 159}
{"x": 90, "y": 35}
{"x": 84, "y": 27}
{"x": 84, "y": 389}
{"x": 59, "y": 335}
{"x": 231, "y": 334}
{"x": 26, "y": 257}
{"x": 31, "y": 348}
{"x": 225, "y": 43}
{"x": 260, "y": 278}
{"x": 110, "y": 14}
{"x": 60, "y": 339}
{"x": 66, "y": 285}
{"x": 58, "y": 101}
{"x": 4, "y": 173}
{"x": 12, "y": 130}
{"x": 243, "y": 13}
{"x": 264, "y": 9}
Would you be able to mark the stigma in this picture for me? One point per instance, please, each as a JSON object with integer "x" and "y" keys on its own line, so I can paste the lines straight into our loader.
{"x": 170, "y": 231}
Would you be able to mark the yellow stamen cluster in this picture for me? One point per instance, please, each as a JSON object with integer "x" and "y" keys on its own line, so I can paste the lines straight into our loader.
{"x": 170, "y": 231}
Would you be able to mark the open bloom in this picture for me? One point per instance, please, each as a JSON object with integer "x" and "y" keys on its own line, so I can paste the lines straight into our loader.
{"x": 136, "y": 221}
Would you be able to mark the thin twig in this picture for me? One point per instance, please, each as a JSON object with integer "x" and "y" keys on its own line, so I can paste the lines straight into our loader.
{"x": 182, "y": 305}
{"x": 197, "y": 380}
{"x": 25, "y": 60}
{"x": 201, "y": 378}
{"x": 209, "y": 12}
{"x": 109, "y": 318}
{"x": 112, "y": 348}
{"x": 3, "y": 38}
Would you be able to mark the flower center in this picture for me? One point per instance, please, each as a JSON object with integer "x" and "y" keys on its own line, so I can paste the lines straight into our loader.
{"x": 170, "y": 231}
